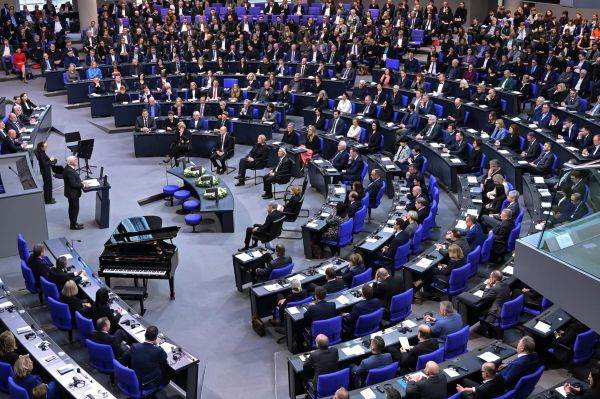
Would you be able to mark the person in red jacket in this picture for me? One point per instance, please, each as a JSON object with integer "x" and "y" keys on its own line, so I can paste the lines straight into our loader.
{"x": 19, "y": 61}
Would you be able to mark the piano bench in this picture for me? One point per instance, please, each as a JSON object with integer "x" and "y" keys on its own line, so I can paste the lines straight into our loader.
{"x": 132, "y": 293}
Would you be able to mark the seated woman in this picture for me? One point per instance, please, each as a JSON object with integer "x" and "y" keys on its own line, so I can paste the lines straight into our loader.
{"x": 122, "y": 96}
{"x": 68, "y": 295}
{"x": 177, "y": 108}
{"x": 344, "y": 105}
{"x": 292, "y": 202}
{"x": 313, "y": 141}
{"x": 463, "y": 90}
{"x": 297, "y": 294}
{"x": 496, "y": 197}
{"x": 171, "y": 122}
{"x": 386, "y": 78}
{"x": 101, "y": 308}
{"x": 23, "y": 376}
{"x": 387, "y": 112}
{"x": 235, "y": 93}
{"x": 251, "y": 82}
{"x": 356, "y": 266}
{"x": 456, "y": 259}
{"x": 374, "y": 138}
{"x": 354, "y": 130}
{"x": 592, "y": 392}
{"x": 72, "y": 74}
{"x": 322, "y": 100}
{"x": 334, "y": 221}
{"x": 8, "y": 348}
{"x": 269, "y": 114}
{"x": 511, "y": 140}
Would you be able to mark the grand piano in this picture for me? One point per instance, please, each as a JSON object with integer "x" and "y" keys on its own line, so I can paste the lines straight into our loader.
{"x": 138, "y": 249}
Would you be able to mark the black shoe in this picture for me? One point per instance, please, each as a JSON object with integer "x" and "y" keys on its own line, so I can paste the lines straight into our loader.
{"x": 267, "y": 196}
{"x": 239, "y": 178}
{"x": 166, "y": 160}
{"x": 52, "y": 201}
{"x": 240, "y": 183}
{"x": 77, "y": 227}
{"x": 254, "y": 245}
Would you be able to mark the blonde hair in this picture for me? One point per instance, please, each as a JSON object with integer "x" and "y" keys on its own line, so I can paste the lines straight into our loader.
{"x": 23, "y": 366}
{"x": 39, "y": 391}
{"x": 454, "y": 252}
{"x": 7, "y": 343}
{"x": 356, "y": 259}
{"x": 295, "y": 190}
{"x": 181, "y": 124}
{"x": 69, "y": 289}
{"x": 500, "y": 123}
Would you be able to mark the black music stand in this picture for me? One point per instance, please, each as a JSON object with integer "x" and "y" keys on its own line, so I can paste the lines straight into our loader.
{"x": 72, "y": 140}
{"x": 84, "y": 151}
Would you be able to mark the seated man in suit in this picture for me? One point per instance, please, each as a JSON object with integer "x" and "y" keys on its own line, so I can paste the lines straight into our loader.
{"x": 59, "y": 274}
{"x": 366, "y": 306}
{"x": 144, "y": 123}
{"x": 369, "y": 109}
{"x": 526, "y": 362}
{"x": 282, "y": 173}
{"x": 333, "y": 282}
{"x": 354, "y": 204}
{"x": 340, "y": 159}
{"x": 407, "y": 357}
{"x": 148, "y": 360}
{"x": 39, "y": 263}
{"x": 447, "y": 322}
{"x": 501, "y": 234}
{"x": 259, "y": 231}
{"x": 491, "y": 387}
{"x": 320, "y": 309}
{"x": 495, "y": 293}
{"x": 401, "y": 237}
{"x": 356, "y": 267}
{"x": 10, "y": 143}
{"x": 266, "y": 93}
{"x": 458, "y": 147}
{"x": 532, "y": 151}
{"x": 223, "y": 152}
{"x": 323, "y": 360}
{"x": 353, "y": 169}
{"x": 542, "y": 165}
{"x": 593, "y": 151}
{"x": 337, "y": 125}
{"x": 493, "y": 220}
{"x": 387, "y": 286}
{"x": 473, "y": 233}
{"x": 373, "y": 188}
{"x": 432, "y": 132}
{"x": 378, "y": 358}
{"x": 280, "y": 260}
{"x": 579, "y": 208}
{"x": 432, "y": 386}
{"x": 457, "y": 115}
{"x": 117, "y": 341}
{"x": 256, "y": 158}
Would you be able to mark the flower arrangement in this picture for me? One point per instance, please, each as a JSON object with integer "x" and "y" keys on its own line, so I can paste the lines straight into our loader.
{"x": 207, "y": 181}
{"x": 194, "y": 171}
{"x": 221, "y": 192}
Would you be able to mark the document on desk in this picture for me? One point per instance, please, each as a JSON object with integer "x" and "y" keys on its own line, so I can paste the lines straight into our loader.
{"x": 445, "y": 154}
{"x": 485, "y": 135}
{"x": 455, "y": 160}
{"x": 544, "y": 193}
{"x": 435, "y": 145}
{"x": 244, "y": 257}
{"x": 390, "y": 167}
{"x": 371, "y": 240}
{"x": 342, "y": 299}
{"x": 91, "y": 182}
{"x": 489, "y": 357}
{"x": 318, "y": 161}
{"x": 298, "y": 277}
{"x": 472, "y": 179}
{"x": 368, "y": 393}
{"x": 324, "y": 215}
{"x": 272, "y": 287}
{"x": 504, "y": 152}
{"x": 423, "y": 263}
{"x": 389, "y": 230}
{"x": 473, "y": 212}
{"x": 461, "y": 224}
{"x": 6, "y": 305}
{"x": 408, "y": 324}
{"x": 542, "y": 327}
{"x": 385, "y": 159}
{"x": 312, "y": 225}
{"x": 340, "y": 190}
{"x": 522, "y": 162}
{"x": 404, "y": 343}
{"x": 331, "y": 170}
{"x": 561, "y": 391}
{"x": 546, "y": 205}
{"x": 451, "y": 372}
{"x": 68, "y": 256}
{"x": 293, "y": 310}
{"x": 257, "y": 254}
{"x": 538, "y": 180}
{"x": 473, "y": 131}
{"x": 478, "y": 293}
{"x": 508, "y": 270}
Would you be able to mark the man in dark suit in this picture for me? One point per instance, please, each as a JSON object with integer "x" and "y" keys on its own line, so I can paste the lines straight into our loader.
{"x": 374, "y": 186}
{"x": 280, "y": 260}
{"x": 379, "y": 358}
{"x": 457, "y": 115}
{"x": 337, "y": 125}
{"x": 144, "y": 123}
{"x": 501, "y": 234}
{"x": 266, "y": 93}
{"x": 493, "y": 220}
{"x": 333, "y": 282}
{"x": 367, "y": 305}
{"x": 215, "y": 92}
{"x": 533, "y": 148}
{"x": 282, "y": 173}
{"x": 39, "y": 263}
{"x": 491, "y": 387}
{"x": 473, "y": 233}
{"x": 431, "y": 132}
{"x": 388, "y": 252}
{"x": 148, "y": 360}
{"x": 353, "y": 169}
{"x": 323, "y": 360}
{"x": 72, "y": 190}
{"x": 432, "y": 386}
{"x": 117, "y": 341}
{"x": 59, "y": 274}
{"x": 458, "y": 147}
{"x": 354, "y": 204}
{"x": 369, "y": 108}
{"x": 259, "y": 231}
{"x": 386, "y": 286}
{"x": 256, "y": 159}
{"x": 495, "y": 293}
{"x": 407, "y": 357}
{"x": 223, "y": 152}
{"x": 10, "y": 144}
{"x": 584, "y": 138}
{"x": 542, "y": 165}
{"x": 593, "y": 151}
{"x": 526, "y": 362}
{"x": 321, "y": 309}
{"x": 340, "y": 159}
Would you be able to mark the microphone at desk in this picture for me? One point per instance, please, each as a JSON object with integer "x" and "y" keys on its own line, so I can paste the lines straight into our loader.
{"x": 16, "y": 174}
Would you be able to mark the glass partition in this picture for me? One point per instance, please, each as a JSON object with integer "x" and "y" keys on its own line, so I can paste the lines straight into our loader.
{"x": 571, "y": 229}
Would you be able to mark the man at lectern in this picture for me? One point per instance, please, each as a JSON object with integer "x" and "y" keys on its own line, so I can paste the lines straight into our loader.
{"x": 73, "y": 186}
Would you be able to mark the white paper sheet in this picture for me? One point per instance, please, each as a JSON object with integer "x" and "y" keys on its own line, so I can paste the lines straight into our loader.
{"x": 489, "y": 357}
{"x": 542, "y": 327}
{"x": 451, "y": 373}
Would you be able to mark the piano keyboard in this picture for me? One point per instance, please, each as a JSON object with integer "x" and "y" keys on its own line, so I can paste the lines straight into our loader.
{"x": 135, "y": 272}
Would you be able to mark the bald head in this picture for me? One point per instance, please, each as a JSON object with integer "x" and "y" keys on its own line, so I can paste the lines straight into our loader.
{"x": 322, "y": 341}
{"x": 431, "y": 368}
{"x": 72, "y": 161}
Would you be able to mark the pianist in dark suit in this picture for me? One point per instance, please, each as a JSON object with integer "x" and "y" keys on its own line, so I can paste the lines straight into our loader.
{"x": 256, "y": 159}
{"x": 282, "y": 173}
{"x": 353, "y": 170}
{"x": 144, "y": 123}
{"x": 340, "y": 158}
{"x": 260, "y": 231}
{"x": 223, "y": 152}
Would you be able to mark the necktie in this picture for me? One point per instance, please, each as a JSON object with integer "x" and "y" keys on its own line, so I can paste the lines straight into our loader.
{"x": 346, "y": 73}
{"x": 596, "y": 109}
{"x": 215, "y": 92}
{"x": 366, "y": 109}
{"x": 202, "y": 110}
{"x": 302, "y": 70}
{"x": 596, "y": 150}
{"x": 222, "y": 142}
{"x": 430, "y": 130}
{"x": 333, "y": 130}
{"x": 145, "y": 122}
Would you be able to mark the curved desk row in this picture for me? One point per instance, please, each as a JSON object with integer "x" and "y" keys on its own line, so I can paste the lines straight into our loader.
{"x": 182, "y": 365}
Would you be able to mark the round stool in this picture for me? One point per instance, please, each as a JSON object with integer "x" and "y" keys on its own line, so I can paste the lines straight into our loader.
{"x": 169, "y": 190}
{"x": 191, "y": 204}
{"x": 182, "y": 196}
{"x": 193, "y": 219}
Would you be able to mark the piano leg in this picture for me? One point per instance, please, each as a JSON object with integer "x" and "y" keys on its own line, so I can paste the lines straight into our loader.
{"x": 172, "y": 287}
{"x": 107, "y": 281}
{"x": 135, "y": 281}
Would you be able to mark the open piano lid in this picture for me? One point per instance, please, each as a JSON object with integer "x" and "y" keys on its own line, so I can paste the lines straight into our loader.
{"x": 141, "y": 229}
